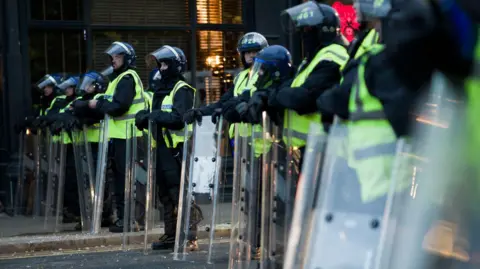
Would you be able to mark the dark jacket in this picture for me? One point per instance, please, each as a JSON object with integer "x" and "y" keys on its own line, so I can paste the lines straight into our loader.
{"x": 183, "y": 100}
{"x": 122, "y": 98}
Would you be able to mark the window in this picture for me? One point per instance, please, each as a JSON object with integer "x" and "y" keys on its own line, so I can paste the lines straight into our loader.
{"x": 217, "y": 62}
{"x": 69, "y": 10}
{"x": 144, "y": 42}
{"x": 56, "y": 51}
{"x": 219, "y": 11}
{"x": 144, "y": 12}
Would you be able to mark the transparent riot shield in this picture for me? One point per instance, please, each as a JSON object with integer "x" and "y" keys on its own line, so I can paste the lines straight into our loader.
{"x": 306, "y": 194}
{"x": 100, "y": 175}
{"x": 135, "y": 186}
{"x": 363, "y": 170}
{"x": 200, "y": 208}
{"x": 56, "y": 183}
{"x": 151, "y": 193}
{"x": 281, "y": 188}
{"x": 84, "y": 168}
{"x": 438, "y": 227}
{"x": 244, "y": 239}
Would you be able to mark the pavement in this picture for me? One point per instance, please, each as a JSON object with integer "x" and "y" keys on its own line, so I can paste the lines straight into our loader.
{"x": 20, "y": 236}
{"x": 116, "y": 259}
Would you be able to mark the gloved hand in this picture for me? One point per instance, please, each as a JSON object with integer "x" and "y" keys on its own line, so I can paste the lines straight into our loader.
{"x": 45, "y": 121}
{"x": 56, "y": 127}
{"x": 217, "y": 113}
{"x": 141, "y": 119}
{"x": 229, "y": 110}
{"x": 256, "y": 106}
{"x": 72, "y": 123}
{"x": 242, "y": 109}
{"x": 192, "y": 115}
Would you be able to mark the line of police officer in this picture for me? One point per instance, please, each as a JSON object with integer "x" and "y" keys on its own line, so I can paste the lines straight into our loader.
{"x": 362, "y": 94}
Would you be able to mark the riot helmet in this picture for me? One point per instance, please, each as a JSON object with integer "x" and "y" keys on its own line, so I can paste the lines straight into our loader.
{"x": 68, "y": 86}
{"x": 153, "y": 78}
{"x": 47, "y": 85}
{"x": 121, "y": 56}
{"x": 170, "y": 61}
{"x": 319, "y": 25}
{"x": 92, "y": 82}
{"x": 250, "y": 42}
{"x": 273, "y": 64}
{"x": 368, "y": 10}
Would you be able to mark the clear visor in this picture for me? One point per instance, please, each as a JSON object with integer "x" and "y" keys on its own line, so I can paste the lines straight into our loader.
{"x": 107, "y": 71}
{"x": 303, "y": 15}
{"x": 117, "y": 48}
{"x": 260, "y": 75}
{"x": 69, "y": 83}
{"x": 46, "y": 81}
{"x": 165, "y": 52}
{"x": 87, "y": 81}
{"x": 372, "y": 9}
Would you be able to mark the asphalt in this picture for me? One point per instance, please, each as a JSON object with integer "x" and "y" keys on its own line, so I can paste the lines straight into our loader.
{"x": 115, "y": 259}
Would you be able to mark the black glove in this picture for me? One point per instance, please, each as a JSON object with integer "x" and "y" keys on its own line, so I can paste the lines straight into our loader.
{"x": 45, "y": 121}
{"x": 73, "y": 123}
{"x": 192, "y": 115}
{"x": 141, "y": 119}
{"x": 79, "y": 104}
{"x": 217, "y": 113}
{"x": 56, "y": 127}
{"x": 242, "y": 109}
{"x": 256, "y": 106}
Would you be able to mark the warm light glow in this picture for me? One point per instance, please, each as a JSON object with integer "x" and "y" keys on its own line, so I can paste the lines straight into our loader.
{"x": 213, "y": 61}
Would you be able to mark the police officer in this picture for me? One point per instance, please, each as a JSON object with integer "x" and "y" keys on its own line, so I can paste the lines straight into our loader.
{"x": 248, "y": 46}
{"x": 123, "y": 99}
{"x": 172, "y": 98}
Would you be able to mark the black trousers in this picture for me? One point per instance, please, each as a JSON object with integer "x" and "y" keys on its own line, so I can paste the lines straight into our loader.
{"x": 118, "y": 167}
{"x": 168, "y": 173}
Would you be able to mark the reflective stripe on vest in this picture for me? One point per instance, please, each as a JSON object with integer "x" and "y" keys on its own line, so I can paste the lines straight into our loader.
{"x": 53, "y": 102}
{"x": 174, "y": 137}
{"x": 367, "y": 43}
{"x": 296, "y": 127}
{"x": 362, "y": 105}
{"x": 117, "y": 125}
{"x": 240, "y": 82}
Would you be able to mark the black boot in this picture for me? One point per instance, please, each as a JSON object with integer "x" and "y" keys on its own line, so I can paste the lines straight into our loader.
{"x": 116, "y": 227}
{"x": 164, "y": 242}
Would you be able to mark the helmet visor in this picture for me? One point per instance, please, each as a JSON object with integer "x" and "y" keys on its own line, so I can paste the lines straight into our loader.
{"x": 303, "y": 15}
{"x": 87, "y": 81}
{"x": 163, "y": 53}
{"x": 117, "y": 48}
{"x": 369, "y": 9}
{"x": 70, "y": 82}
{"x": 47, "y": 80}
{"x": 261, "y": 74}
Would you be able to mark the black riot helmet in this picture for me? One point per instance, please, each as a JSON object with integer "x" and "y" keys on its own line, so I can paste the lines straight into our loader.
{"x": 319, "y": 25}
{"x": 273, "y": 64}
{"x": 250, "y": 42}
{"x": 173, "y": 57}
{"x": 124, "y": 49}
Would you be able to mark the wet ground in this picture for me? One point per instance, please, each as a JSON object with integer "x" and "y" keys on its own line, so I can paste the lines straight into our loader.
{"x": 115, "y": 259}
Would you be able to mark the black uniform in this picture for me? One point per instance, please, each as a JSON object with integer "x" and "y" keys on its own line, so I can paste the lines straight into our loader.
{"x": 120, "y": 104}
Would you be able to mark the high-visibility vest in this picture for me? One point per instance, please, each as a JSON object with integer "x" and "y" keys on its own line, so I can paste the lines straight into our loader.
{"x": 369, "y": 40}
{"x": 296, "y": 127}
{"x": 240, "y": 83}
{"x": 172, "y": 137}
{"x": 371, "y": 139}
{"x": 472, "y": 86}
{"x": 55, "y": 138}
{"x": 117, "y": 126}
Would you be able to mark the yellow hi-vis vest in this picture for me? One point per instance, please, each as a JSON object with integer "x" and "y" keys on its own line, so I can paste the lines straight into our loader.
{"x": 472, "y": 86}
{"x": 172, "y": 137}
{"x": 55, "y": 138}
{"x": 240, "y": 83}
{"x": 117, "y": 126}
{"x": 295, "y": 125}
{"x": 370, "y": 40}
{"x": 371, "y": 139}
